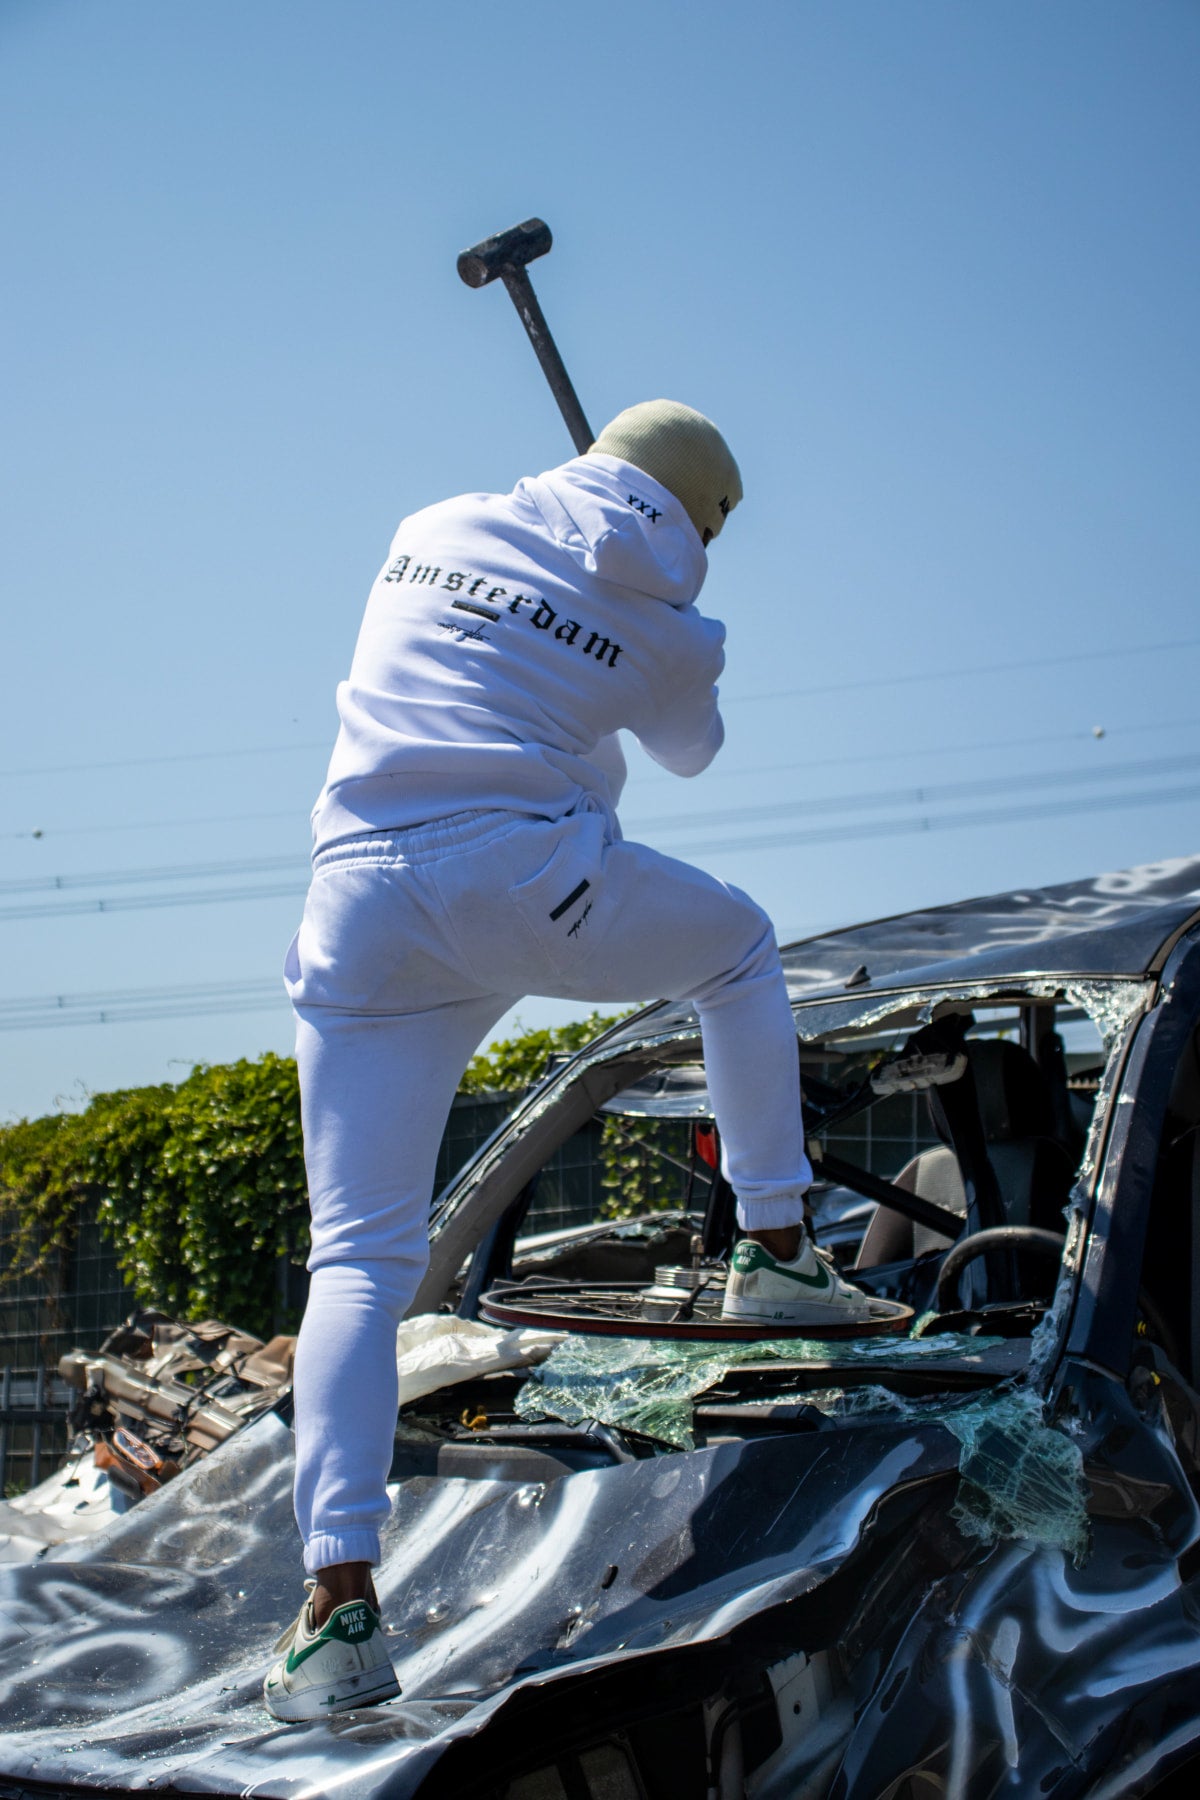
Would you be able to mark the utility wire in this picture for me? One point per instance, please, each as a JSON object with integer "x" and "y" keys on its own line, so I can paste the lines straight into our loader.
{"x": 175, "y": 756}
{"x": 107, "y": 829}
{"x": 810, "y": 765}
{"x": 821, "y": 687}
{"x": 879, "y": 828}
{"x": 254, "y": 865}
{"x": 928, "y": 794}
{"x": 152, "y": 902}
{"x": 921, "y": 675}
{"x": 907, "y": 752}
{"x": 793, "y": 839}
{"x": 44, "y": 1012}
{"x": 136, "y": 996}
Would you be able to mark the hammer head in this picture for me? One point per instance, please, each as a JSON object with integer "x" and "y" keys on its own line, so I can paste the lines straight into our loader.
{"x": 510, "y": 249}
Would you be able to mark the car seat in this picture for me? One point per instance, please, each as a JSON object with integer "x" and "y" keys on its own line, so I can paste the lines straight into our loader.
{"x": 1033, "y": 1167}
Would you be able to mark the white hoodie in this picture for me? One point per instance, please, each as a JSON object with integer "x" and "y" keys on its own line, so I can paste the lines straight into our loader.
{"x": 508, "y": 637}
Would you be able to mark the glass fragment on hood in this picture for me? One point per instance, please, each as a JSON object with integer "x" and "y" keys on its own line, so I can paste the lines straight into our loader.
{"x": 1021, "y": 1478}
{"x": 648, "y": 1385}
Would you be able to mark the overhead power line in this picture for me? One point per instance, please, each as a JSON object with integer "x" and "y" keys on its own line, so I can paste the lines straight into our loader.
{"x": 252, "y": 865}
{"x": 927, "y": 794}
{"x": 130, "y": 1005}
{"x": 905, "y": 752}
{"x": 108, "y": 828}
{"x": 171, "y": 756}
{"x": 927, "y": 822}
{"x": 972, "y": 670}
{"x": 811, "y": 765}
{"x": 276, "y": 890}
{"x": 913, "y": 824}
{"x": 857, "y": 684}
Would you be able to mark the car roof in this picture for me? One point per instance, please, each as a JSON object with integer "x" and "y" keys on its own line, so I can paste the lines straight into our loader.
{"x": 1118, "y": 924}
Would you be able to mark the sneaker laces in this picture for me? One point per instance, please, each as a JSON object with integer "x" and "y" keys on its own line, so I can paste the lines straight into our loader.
{"x": 830, "y": 1261}
{"x": 841, "y": 1285}
{"x": 288, "y": 1638}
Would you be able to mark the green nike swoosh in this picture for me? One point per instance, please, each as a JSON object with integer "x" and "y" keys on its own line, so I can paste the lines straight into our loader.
{"x": 819, "y": 1280}
{"x": 749, "y": 1258}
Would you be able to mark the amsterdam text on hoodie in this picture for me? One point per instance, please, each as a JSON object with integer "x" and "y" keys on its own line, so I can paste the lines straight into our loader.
{"x": 505, "y": 641}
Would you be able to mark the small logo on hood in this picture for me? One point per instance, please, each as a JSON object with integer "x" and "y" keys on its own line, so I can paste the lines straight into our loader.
{"x": 645, "y": 508}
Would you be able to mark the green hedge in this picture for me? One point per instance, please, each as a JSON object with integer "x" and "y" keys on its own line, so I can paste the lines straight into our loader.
{"x": 200, "y": 1186}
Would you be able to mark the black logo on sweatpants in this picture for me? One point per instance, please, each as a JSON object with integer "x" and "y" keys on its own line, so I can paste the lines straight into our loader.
{"x": 574, "y": 895}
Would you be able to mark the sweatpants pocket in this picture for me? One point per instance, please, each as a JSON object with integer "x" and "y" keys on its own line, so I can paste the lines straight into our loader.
{"x": 559, "y": 904}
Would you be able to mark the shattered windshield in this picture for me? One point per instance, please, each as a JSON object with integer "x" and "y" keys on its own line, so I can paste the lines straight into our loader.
{"x": 932, "y": 1119}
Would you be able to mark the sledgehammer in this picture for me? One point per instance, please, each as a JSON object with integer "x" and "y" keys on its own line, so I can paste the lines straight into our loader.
{"x": 506, "y": 255}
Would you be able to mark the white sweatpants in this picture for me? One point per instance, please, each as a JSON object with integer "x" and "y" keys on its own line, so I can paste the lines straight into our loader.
{"x": 411, "y": 948}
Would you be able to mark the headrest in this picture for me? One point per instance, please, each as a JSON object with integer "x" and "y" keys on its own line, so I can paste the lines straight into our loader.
{"x": 1014, "y": 1096}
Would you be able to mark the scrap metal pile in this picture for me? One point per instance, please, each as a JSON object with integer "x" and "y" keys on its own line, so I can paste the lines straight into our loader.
{"x": 158, "y": 1394}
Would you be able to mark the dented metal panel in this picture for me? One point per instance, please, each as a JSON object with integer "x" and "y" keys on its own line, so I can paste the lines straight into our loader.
{"x": 144, "y": 1651}
{"x": 1114, "y": 924}
{"x": 961, "y": 1565}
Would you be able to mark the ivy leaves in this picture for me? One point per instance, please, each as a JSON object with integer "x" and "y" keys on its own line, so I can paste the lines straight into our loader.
{"x": 200, "y": 1186}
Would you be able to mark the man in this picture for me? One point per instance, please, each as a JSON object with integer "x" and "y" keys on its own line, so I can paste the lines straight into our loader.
{"x": 466, "y": 854}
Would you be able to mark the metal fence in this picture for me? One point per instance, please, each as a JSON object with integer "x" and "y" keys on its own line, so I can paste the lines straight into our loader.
{"x": 33, "y": 1426}
{"x": 40, "y": 1321}
{"x": 569, "y": 1190}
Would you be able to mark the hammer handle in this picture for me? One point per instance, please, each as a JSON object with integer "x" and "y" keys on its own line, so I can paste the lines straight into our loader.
{"x": 525, "y": 300}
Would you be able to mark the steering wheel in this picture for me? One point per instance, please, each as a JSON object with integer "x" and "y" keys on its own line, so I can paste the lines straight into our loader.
{"x": 997, "y": 1237}
{"x": 1044, "y": 1243}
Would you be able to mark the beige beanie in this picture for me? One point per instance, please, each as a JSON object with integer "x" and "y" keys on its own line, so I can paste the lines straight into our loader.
{"x": 683, "y": 451}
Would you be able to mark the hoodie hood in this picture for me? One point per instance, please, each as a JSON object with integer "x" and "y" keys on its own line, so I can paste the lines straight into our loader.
{"x": 619, "y": 525}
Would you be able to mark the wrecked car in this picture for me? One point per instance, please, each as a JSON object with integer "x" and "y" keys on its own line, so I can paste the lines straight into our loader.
{"x": 661, "y": 1554}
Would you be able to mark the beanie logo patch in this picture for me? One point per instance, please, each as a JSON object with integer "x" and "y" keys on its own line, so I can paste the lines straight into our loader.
{"x": 644, "y": 507}
{"x": 723, "y": 503}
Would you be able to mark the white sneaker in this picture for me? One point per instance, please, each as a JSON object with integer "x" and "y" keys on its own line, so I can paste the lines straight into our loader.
{"x": 344, "y": 1664}
{"x": 806, "y": 1291}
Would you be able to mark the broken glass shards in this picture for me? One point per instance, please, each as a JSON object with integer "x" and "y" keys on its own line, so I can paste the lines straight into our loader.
{"x": 648, "y": 1385}
{"x": 1021, "y": 1478}
{"x": 647, "y": 1388}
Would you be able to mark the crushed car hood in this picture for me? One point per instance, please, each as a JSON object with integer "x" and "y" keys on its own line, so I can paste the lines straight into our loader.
{"x": 145, "y": 1650}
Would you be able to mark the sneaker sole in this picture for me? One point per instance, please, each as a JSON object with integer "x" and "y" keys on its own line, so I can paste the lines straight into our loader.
{"x": 780, "y": 1313}
{"x": 292, "y": 1708}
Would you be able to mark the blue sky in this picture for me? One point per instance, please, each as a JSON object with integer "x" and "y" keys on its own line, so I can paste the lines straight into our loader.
{"x": 933, "y": 268}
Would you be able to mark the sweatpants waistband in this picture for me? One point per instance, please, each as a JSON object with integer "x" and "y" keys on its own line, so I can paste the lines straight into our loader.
{"x": 416, "y": 843}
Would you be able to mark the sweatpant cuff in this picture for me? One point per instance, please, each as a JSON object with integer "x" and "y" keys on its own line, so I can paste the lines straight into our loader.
{"x": 324, "y": 1548}
{"x": 772, "y": 1215}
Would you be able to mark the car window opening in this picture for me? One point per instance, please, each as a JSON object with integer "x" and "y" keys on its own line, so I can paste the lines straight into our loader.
{"x": 946, "y": 1139}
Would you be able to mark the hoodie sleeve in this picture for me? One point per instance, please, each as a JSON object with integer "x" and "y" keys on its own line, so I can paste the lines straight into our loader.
{"x": 684, "y": 729}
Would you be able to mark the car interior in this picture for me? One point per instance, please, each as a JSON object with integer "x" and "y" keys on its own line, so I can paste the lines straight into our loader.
{"x": 995, "y": 1110}
{"x": 945, "y": 1150}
